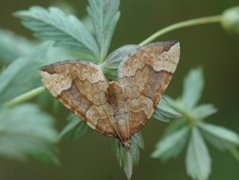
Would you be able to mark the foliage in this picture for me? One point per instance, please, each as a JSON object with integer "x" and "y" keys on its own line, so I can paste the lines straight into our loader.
{"x": 74, "y": 129}
{"x": 104, "y": 16}
{"x": 21, "y": 134}
{"x": 63, "y": 36}
{"x": 13, "y": 46}
{"x": 192, "y": 129}
{"x": 128, "y": 158}
{"x": 111, "y": 63}
{"x": 22, "y": 74}
{"x": 66, "y": 31}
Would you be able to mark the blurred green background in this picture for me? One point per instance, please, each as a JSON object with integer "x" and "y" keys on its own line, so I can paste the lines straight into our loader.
{"x": 210, "y": 46}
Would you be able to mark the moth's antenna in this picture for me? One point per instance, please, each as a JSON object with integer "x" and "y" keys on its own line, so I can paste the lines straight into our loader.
{"x": 113, "y": 125}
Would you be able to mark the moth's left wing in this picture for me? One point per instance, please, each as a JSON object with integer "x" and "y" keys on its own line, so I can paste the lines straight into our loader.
{"x": 144, "y": 75}
{"x": 81, "y": 87}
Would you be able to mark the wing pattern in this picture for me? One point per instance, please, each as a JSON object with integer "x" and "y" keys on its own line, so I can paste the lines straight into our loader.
{"x": 113, "y": 108}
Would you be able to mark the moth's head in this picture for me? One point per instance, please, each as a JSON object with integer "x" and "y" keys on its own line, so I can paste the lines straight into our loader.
{"x": 126, "y": 145}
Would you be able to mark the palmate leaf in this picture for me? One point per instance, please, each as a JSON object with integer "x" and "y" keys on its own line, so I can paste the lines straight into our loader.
{"x": 65, "y": 6}
{"x": 24, "y": 130}
{"x": 165, "y": 112}
{"x": 137, "y": 139}
{"x": 124, "y": 157}
{"x": 111, "y": 63}
{"x": 192, "y": 89}
{"x": 220, "y": 137}
{"x": 75, "y": 128}
{"x": 202, "y": 111}
{"x": 175, "y": 126}
{"x": 22, "y": 74}
{"x": 128, "y": 159}
{"x": 13, "y": 46}
{"x": 104, "y": 14}
{"x": 171, "y": 145}
{"x": 235, "y": 153}
{"x": 56, "y": 54}
{"x": 198, "y": 161}
{"x": 66, "y": 31}
{"x": 128, "y": 164}
{"x": 176, "y": 104}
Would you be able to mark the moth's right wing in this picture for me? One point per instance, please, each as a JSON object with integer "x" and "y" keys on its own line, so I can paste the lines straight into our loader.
{"x": 144, "y": 75}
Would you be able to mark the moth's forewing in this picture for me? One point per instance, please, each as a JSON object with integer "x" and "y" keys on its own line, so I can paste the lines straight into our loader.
{"x": 82, "y": 88}
{"x": 116, "y": 108}
{"x": 144, "y": 75}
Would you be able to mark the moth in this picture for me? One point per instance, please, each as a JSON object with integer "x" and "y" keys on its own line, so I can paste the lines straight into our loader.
{"x": 115, "y": 108}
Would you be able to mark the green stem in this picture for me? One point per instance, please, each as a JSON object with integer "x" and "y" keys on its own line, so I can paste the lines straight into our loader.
{"x": 182, "y": 24}
{"x": 187, "y": 117}
{"x": 179, "y": 25}
{"x": 184, "y": 113}
{"x": 235, "y": 153}
{"x": 24, "y": 97}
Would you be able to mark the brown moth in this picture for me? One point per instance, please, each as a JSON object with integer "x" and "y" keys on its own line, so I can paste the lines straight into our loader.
{"x": 116, "y": 109}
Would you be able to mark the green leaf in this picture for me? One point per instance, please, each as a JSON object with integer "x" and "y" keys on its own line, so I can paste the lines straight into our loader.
{"x": 176, "y": 104}
{"x": 24, "y": 130}
{"x": 111, "y": 63}
{"x": 135, "y": 153}
{"x": 192, "y": 89}
{"x": 118, "y": 150}
{"x": 170, "y": 146}
{"x": 137, "y": 139}
{"x": 202, "y": 111}
{"x": 220, "y": 137}
{"x": 13, "y": 46}
{"x": 174, "y": 126}
{"x": 65, "y": 6}
{"x": 65, "y": 31}
{"x": 56, "y": 54}
{"x": 104, "y": 14}
{"x": 128, "y": 158}
{"x": 22, "y": 75}
{"x": 198, "y": 161}
{"x": 235, "y": 153}
{"x": 165, "y": 112}
{"x": 74, "y": 129}
{"x": 128, "y": 164}
{"x": 114, "y": 148}
{"x": 86, "y": 20}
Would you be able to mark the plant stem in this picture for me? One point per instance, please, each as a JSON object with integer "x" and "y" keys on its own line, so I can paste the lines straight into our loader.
{"x": 182, "y": 24}
{"x": 187, "y": 117}
{"x": 184, "y": 113}
{"x": 24, "y": 97}
{"x": 179, "y": 25}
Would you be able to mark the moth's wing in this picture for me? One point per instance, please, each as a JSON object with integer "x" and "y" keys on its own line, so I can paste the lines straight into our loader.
{"x": 81, "y": 87}
{"x": 144, "y": 76}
